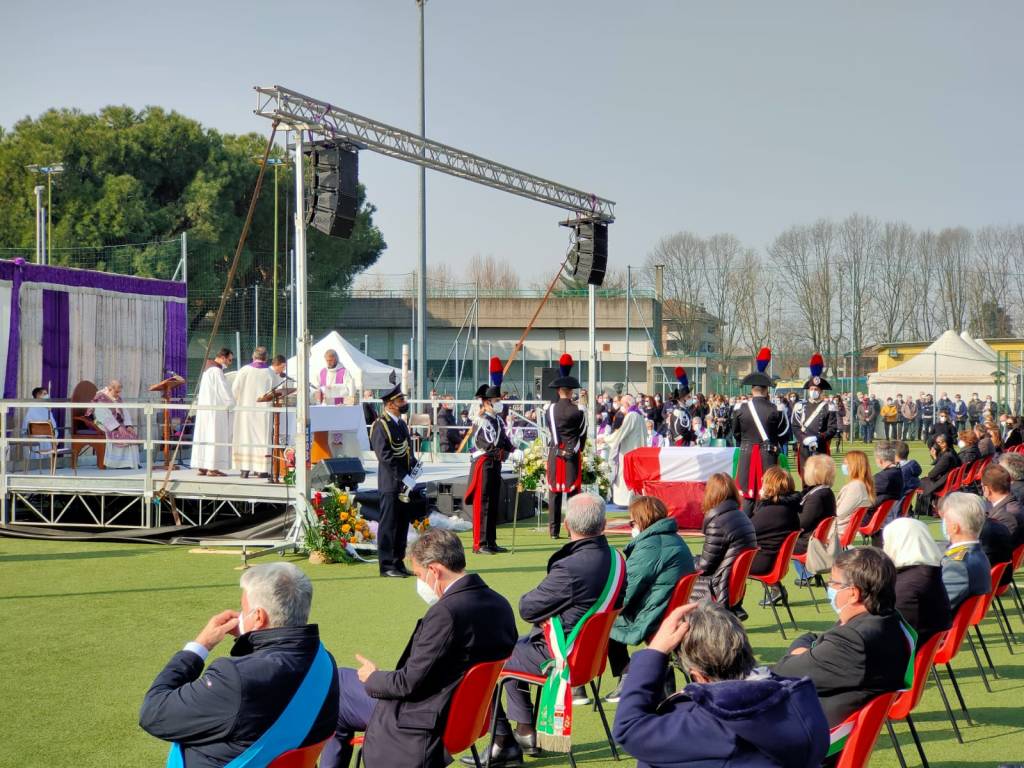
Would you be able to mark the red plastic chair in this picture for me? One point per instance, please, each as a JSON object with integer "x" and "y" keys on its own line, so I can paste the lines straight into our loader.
{"x": 822, "y": 532}
{"x": 979, "y": 616}
{"x": 738, "y": 575}
{"x": 908, "y": 502}
{"x": 586, "y": 663}
{"x": 1015, "y": 563}
{"x": 867, "y": 724}
{"x": 469, "y": 713}
{"x": 305, "y": 757}
{"x": 874, "y": 525}
{"x": 775, "y": 576}
{"x": 681, "y": 594}
{"x": 948, "y": 650}
{"x": 852, "y": 526}
{"x": 952, "y": 482}
{"x": 906, "y": 701}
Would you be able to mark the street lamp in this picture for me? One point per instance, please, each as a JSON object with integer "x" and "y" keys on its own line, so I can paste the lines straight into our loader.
{"x": 276, "y": 162}
{"x": 49, "y": 171}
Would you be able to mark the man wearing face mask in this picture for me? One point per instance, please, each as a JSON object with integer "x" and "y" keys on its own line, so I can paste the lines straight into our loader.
{"x": 815, "y": 421}
{"x": 396, "y": 470}
{"x": 215, "y": 716}
{"x": 404, "y": 713}
{"x": 959, "y": 412}
{"x": 491, "y": 446}
{"x": 869, "y": 651}
{"x": 966, "y": 570}
{"x": 943, "y": 427}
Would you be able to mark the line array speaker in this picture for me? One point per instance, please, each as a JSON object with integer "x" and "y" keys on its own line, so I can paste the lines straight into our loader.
{"x": 588, "y": 259}
{"x": 332, "y": 203}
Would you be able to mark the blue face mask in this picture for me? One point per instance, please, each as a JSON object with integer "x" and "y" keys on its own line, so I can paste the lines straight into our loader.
{"x": 846, "y": 469}
{"x": 832, "y": 594}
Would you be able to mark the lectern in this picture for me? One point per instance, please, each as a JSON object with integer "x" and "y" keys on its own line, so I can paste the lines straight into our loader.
{"x": 278, "y": 397}
{"x": 165, "y": 388}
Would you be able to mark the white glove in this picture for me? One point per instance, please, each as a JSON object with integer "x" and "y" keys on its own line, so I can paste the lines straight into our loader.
{"x": 409, "y": 482}
{"x": 516, "y": 456}
{"x": 811, "y": 442}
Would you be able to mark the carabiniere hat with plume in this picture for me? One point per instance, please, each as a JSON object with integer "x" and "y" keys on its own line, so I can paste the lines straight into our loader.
{"x": 565, "y": 381}
{"x": 684, "y": 383}
{"x": 817, "y": 366}
{"x": 497, "y": 376}
{"x": 759, "y": 378}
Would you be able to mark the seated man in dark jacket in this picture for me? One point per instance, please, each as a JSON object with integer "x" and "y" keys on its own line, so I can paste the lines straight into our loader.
{"x": 965, "y": 567}
{"x": 868, "y": 652}
{"x": 576, "y": 576}
{"x": 909, "y": 467}
{"x": 214, "y": 717}
{"x": 1014, "y": 464}
{"x": 995, "y": 487}
{"x": 404, "y": 713}
{"x": 731, "y": 714}
{"x": 889, "y": 478}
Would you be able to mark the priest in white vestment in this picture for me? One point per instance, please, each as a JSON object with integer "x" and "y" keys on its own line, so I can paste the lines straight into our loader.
{"x": 632, "y": 434}
{"x": 250, "y": 434}
{"x": 117, "y": 425}
{"x": 213, "y": 426}
{"x": 335, "y": 386}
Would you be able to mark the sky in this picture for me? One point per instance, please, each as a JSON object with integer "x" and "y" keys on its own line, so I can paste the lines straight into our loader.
{"x": 709, "y": 117}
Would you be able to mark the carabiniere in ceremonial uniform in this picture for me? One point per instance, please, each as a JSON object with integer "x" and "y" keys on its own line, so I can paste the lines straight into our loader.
{"x": 815, "y": 419}
{"x": 757, "y": 425}
{"x": 567, "y": 437}
{"x": 389, "y": 437}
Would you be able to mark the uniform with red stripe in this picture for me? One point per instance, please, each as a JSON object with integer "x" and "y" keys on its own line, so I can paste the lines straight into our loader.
{"x": 815, "y": 417}
{"x": 757, "y": 426}
{"x": 567, "y": 435}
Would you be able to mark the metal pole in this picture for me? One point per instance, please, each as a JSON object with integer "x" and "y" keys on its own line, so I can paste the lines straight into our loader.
{"x": 273, "y": 332}
{"x": 301, "y": 331}
{"x": 42, "y": 221}
{"x": 366, "y": 344}
{"x": 476, "y": 334}
{"x": 591, "y": 370}
{"x": 522, "y": 362}
{"x": 421, "y": 282}
{"x": 39, "y": 223}
{"x": 49, "y": 209}
{"x": 238, "y": 350}
{"x": 629, "y": 296}
{"x": 184, "y": 258}
{"x": 256, "y": 314}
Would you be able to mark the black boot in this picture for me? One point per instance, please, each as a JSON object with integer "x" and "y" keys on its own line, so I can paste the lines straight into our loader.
{"x": 508, "y": 755}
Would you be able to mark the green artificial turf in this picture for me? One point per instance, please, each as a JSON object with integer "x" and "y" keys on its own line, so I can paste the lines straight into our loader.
{"x": 86, "y": 626}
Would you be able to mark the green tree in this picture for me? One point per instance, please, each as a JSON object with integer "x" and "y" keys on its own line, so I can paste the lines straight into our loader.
{"x": 137, "y": 176}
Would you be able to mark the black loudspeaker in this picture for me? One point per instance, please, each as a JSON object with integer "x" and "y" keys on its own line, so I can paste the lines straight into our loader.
{"x": 588, "y": 259}
{"x": 548, "y": 375}
{"x": 332, "y": 205}
{"x": 343, "y": 472}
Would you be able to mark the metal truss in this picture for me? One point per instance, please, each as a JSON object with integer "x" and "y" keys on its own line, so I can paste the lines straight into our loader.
{"x": 305, "y": 113}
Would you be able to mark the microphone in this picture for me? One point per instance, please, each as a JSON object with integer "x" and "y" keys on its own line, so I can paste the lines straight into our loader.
{"x": 172, "y": 373}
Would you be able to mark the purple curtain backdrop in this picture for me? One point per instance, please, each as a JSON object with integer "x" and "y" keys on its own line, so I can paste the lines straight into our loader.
{"x": 15, "y": 272}
{"x": 84, "y": 278}
{"x": 175, "y": 344}
{"x": 56, "y": 348}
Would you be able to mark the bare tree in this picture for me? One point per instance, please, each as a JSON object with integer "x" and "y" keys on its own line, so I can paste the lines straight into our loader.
{"x": 683, "y": 256}
{"x": 953, "y": 257}
{"x": 893, "y": 288}
{"x": 725, "y": 283}
{"x": 927, "y": 319}
{"x": 492, "y": 274}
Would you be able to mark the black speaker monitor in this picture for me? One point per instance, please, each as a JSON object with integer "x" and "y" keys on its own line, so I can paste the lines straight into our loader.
{"x": 343, "y": 472}
{"x": 588, "y": 260}
{"x": 332, "y": 205}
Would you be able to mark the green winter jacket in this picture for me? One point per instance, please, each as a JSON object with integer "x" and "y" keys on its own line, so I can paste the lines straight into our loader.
{"x": 655, "y": 561}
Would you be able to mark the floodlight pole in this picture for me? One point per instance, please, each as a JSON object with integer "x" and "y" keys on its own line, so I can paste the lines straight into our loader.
{"x": 39, "y": 223}
{"x": 301, "y": 329}
{"x": 591, "y": 370}
{"x": 421, "y": 274}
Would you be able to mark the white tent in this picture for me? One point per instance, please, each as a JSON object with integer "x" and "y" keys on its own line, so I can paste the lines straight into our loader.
{"x": 950, "y": 364}
{"x": 366, "y": 372}
{"x": 985, "y": 352}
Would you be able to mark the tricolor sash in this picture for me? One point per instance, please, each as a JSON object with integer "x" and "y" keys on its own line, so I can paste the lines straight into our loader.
{"x": 292, "y": 725}
{"x": 839, "y": 734}
{"x": 554, "y": 719}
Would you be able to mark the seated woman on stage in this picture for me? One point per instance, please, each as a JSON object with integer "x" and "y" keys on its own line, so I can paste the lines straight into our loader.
{"x": 116, "y": 424}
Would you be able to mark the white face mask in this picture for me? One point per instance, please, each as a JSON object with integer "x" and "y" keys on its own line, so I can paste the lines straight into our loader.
{"x": 634, "y": 533}
{"x": 942, "y": 419}
{"x": 425, "y": 592}
{"x": 814, "y": 394}
{"x": 960, "y": 444}
{"x": 241, "y": 623}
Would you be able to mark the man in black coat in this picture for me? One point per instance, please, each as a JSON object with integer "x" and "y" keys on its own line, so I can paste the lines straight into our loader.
{"x": 868, "y": 652}
{"x": 576, "y": 577}
{"x": 448, "y": 438}
{"x": 888, "y": 484}
{"x": 995, "y": 487}
{"x": 404, "y": 713}
{"x": 944, "y": 426}
{"x": 218, "y": 714}
{"x": 757, "y": 427}
{"x": 389, "y": 437}
{"x": 369, "y": 412}
{"x": 966, "y": 570}
{"x": 567, "y": 436}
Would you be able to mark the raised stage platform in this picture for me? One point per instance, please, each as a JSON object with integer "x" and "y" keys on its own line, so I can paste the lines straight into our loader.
{"x": 128, "y": 498}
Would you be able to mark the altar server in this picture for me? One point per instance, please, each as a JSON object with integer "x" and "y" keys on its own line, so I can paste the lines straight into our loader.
{"x": 757, "y": 426}
{"x": 213, "y": 426}
{"x": 251, "y": 430}
{"x": 491, "y": 446}
{"x": 116, "y": 423}
{"x": 815, "y": 419}
{"x": 567, "y": 436}
{"x": 396, "y": 476}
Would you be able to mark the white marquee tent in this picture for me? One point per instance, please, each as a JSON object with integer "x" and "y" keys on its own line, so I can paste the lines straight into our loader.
{"x": 366, "y": 372}
{"x": 952, "y": 363}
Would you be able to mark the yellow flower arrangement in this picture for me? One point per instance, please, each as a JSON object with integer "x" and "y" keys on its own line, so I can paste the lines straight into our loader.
{"x": 337, "y": 524}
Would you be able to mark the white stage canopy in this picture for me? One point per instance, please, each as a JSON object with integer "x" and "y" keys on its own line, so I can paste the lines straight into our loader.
{"x": 367, "y": 372}
{"x": 953, "y": 363}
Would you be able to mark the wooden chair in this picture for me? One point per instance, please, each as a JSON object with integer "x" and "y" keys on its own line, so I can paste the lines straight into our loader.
{"x": 44, "y": 430}
{"x": 85, "y": 429}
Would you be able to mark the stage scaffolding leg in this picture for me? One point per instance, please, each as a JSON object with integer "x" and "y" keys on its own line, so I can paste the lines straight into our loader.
{"x": 148, "y": 489}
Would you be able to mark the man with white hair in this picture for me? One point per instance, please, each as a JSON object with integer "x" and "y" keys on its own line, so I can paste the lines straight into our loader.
{"x": 584, "y": 577}
{"x": 966, "y": 571}
{"x": 632, "y": 434}
{"x": 277, "y": 691}
{"x": 116, "y": 423}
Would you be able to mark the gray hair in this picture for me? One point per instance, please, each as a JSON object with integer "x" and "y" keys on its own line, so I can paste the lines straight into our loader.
{"x": 885, "y": 451}
{"x": 1014, "y": 464}
{"x": 585, "y": 514}
{"x": 439, "y": 546}
{"x": 280, "y": 589}
{"x": 260, "y": 353}
{"x": 716, "y": 643}
{"x": 967, "y": 510}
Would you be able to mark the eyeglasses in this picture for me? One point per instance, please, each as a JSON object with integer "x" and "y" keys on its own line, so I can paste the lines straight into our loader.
{"x": 838, "y": 584}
